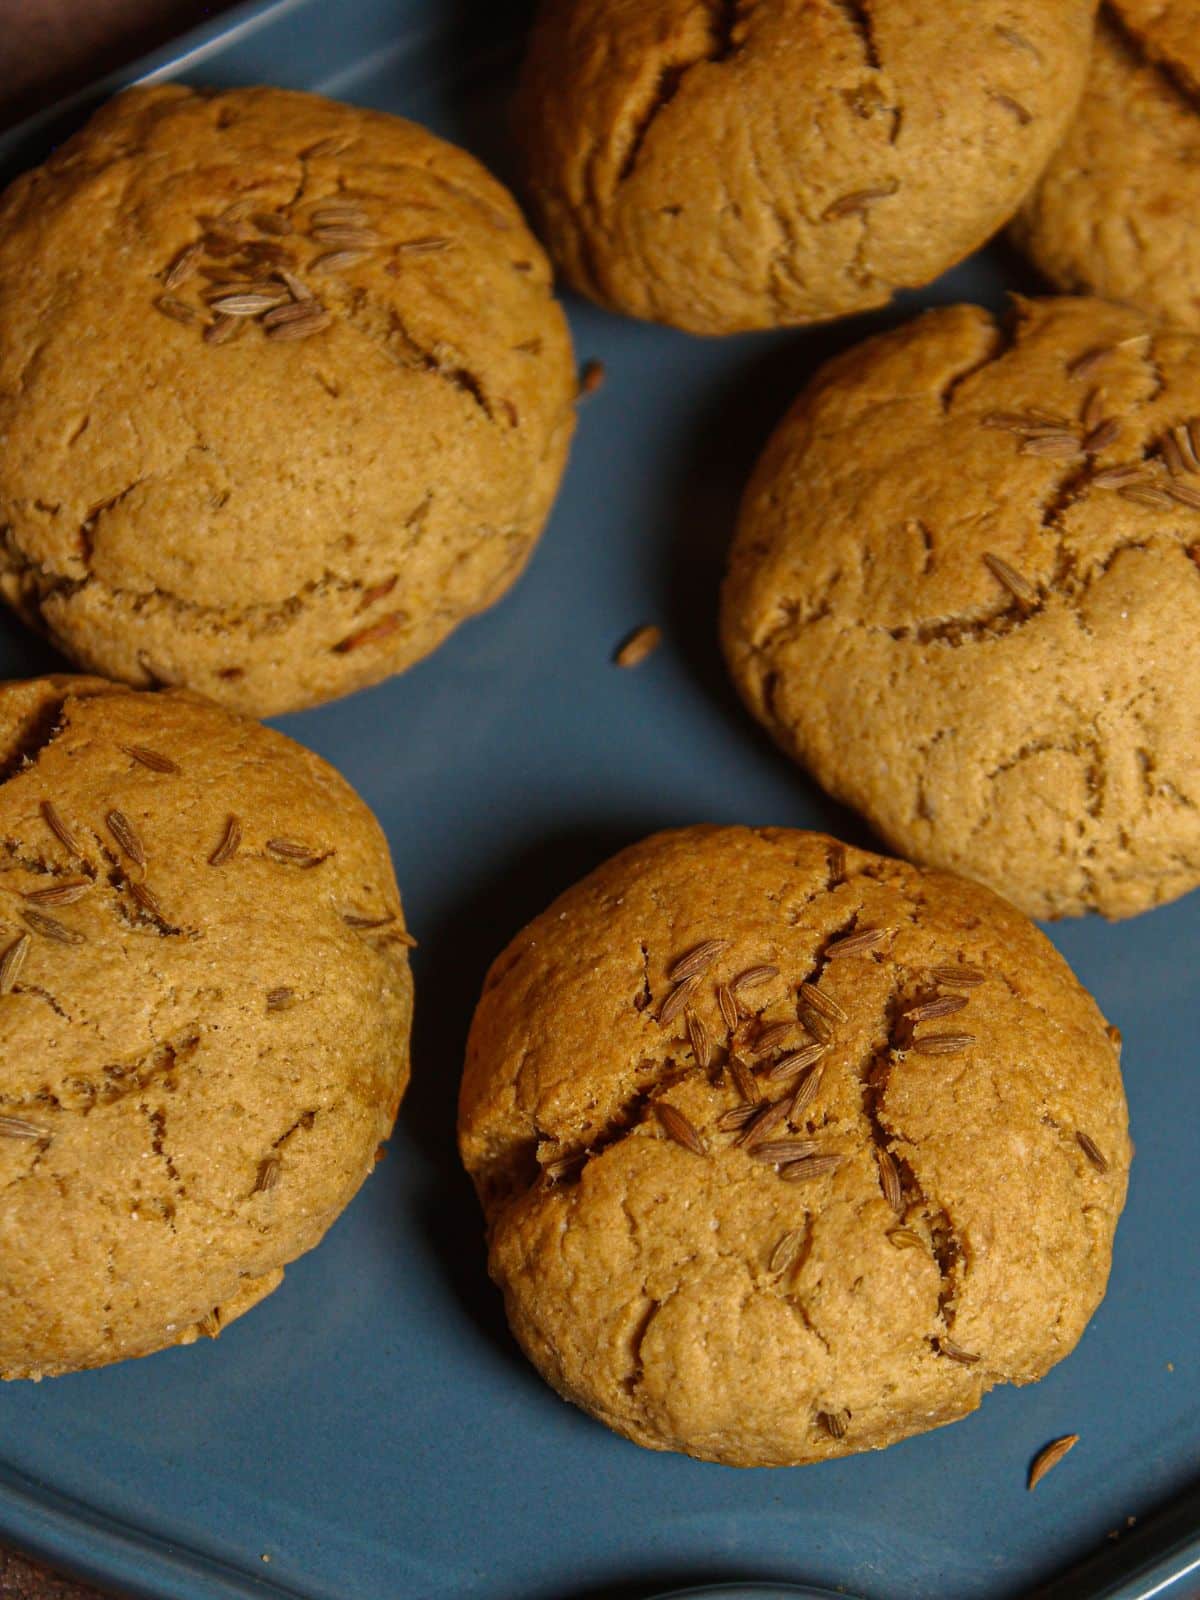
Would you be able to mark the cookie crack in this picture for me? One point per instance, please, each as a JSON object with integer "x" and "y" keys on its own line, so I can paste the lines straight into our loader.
{"x": 30, "y": 743}
{"x": 858, "y": 14}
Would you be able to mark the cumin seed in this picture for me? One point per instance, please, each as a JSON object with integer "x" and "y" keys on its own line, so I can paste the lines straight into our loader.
{"x": 230, "y": 840}
{"x": 352, "y": 919}
{"x": 855, "y": 943}
{"x": 222, "y": 330}
{"x": 299, "y": 327}
{"x": 347, "y": 234}
{"x": 150, "y": 758}
{"x": 771, "y": 1115}
{"x": 564, "y": 1166}
{"x": 183, "y": 266}
{"x": 12, "y": 961}
{"x": 736, "y": 1118}
{"x": 59, "y": 894}
{"x": 753, "y": 977}
{"x": 591, "y": 378}
{"x": 292, "y": 850}
{"x": 299, "y": 291}
{"x": 1187, "y": 437}
{"x": 1185, "y": 495}
{"x": 858, "y": 202}
{"x": 51, "y": 928}
{"x": 889, "y": 1180}
{"x": 822, "y": 1002}
{"x": 429, "y": 244}
{"x": 1172, "y": 455}
{"x": 728, "y": 1005}
{"x": 145, "y": 897}
{"x": 280, "y": 999}
{"x": 795, "y": 1061}
{"x": 1022, "y": 113}
{"x": 123, "y": 832}
{"x": 18, "y": 1128}
{"x": 770, "y": 1037}
{"x": 959, "y": 977}
{"x": 817, "y": 1025}
{"x": 642, "y": 642}
{"x": 698, "y": 1038}
{"x": 833, "y": 1423}
{"x": 272, "y": 222}
{"x": 1101, "y": 436}
{"x": 774, "y": 1152}
{"x": 337, "y": 260}
{"x": 177, "y": 310}
{"x": 1056, "y": 446}
{"x": 809, "y": 1167}
{"x": 905, "y": 1239}
{"x": 955, "y": 1352}
{"x": 1083, "y": 366}
{"x": 929, "y": 1010}
{"x": 53, "y": 820}
{"x": 268, "y": 1175}
{"x": 246, "y": 305}
{"x": 943, "y": 1044}
{"x": 1049, "y": 1456}
{"x": 744, "y": 1082}
{"x": 1146, "y": 495}
{"x": 786, "y": 1250}
{"x": 805, "y": 1094}
{"x": 677, "y": 1127}
{"x": 698, "y": 959}
{"x": 1114, "y": 477}
{"x": 1091, "y": 1150}
{"x": 1022, "y": 591}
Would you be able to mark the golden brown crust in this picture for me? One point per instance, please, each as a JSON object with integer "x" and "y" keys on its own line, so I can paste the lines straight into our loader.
{"x": 1115, "y": 212}
{"x": 197, "y": 1061}
{"x": 1168, "y": 31}
{"x": 706, "y": 1302}
{"x": 945, "y": 607}
{"x": 272, "y": 520}
{"x": 727, "y": 167}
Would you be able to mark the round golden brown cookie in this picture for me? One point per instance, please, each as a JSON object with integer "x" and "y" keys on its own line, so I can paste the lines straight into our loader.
{"x": 284, "y": 393}
{"x": 964, "y": 594}
{"x": 1116, "y": 210}
{"x": 204, "y": 1014}
{"x": 788, "y": 1150}
{"x": 727, "y": 167}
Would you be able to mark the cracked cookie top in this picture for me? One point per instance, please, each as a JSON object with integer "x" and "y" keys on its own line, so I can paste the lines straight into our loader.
{"x": 1115, "y": 211}
{"x": 732, "y": 164}
{"x": 788, "y": 1150}
{"x": 204, "y": 1013}
{"x": 284, "y": 392}
{"x": 964, "y": 594}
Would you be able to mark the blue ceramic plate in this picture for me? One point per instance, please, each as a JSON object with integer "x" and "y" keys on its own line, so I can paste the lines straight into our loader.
{"x": 371, "y": 1430}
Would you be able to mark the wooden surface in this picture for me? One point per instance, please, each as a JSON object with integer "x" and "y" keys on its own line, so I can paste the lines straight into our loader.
{"x": 51, "y": 47}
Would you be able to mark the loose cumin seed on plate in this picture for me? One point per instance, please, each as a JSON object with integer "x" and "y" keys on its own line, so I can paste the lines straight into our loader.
{"x": 640, "y": 644}
{"x": 1049, "y": 1456}
{"x": 677, "y": 1127}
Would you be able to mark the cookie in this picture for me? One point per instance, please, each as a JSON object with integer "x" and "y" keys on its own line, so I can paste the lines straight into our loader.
{"x": 963, "y": 593}
{"x": 724, "y": 168}
{"x": 284, "y": 394}
{"x": 1115, "y": 212}
{"x": 787, "y": 1150}
{"x": 204, "y": 1014}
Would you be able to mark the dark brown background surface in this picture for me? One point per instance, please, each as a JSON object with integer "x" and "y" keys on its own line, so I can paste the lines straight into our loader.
{"x": 51, "y": 47}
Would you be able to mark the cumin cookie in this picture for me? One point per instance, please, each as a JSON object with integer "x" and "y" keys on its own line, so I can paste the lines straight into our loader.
{"x": 788, "y": 1150}
{"x": 1115, "y": 212}
{"x": 205, "y": 1003}
{"x": 723, "y": 167}
{"x": 284, "y": 394}
{"x": 964, "y": 594}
